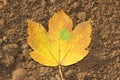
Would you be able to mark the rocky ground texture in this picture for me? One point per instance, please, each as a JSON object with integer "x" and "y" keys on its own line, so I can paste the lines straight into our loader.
{"x": 103, "y": 60}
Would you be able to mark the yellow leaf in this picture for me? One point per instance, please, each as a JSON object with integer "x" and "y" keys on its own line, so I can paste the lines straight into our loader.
{"x": 60, "y": 45}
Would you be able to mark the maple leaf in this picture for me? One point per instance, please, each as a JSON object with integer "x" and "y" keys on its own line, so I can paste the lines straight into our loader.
{"x": 60, "y": 45}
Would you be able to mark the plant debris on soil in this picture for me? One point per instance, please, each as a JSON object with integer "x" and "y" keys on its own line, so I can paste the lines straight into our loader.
{"x": 103, "y": 60}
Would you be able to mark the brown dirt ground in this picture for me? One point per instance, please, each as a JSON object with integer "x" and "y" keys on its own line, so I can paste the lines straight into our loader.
{"x": 103, "y": 60}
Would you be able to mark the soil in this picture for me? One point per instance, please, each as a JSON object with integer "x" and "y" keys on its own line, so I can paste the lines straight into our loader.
{"x": 103, "y": 60}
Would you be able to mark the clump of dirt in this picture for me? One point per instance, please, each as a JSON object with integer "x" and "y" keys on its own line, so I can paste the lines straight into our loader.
{"x": 103, "y": 60}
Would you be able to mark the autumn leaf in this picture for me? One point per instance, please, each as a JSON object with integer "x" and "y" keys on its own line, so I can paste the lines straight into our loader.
{"x": 60, "y": 45}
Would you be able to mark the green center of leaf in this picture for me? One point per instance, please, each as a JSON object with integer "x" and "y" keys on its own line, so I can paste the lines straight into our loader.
{"x": 65, "y": 34}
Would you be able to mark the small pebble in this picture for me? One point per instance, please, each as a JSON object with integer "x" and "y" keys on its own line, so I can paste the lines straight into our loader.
{"x": 52, "y": 78}
{"x": 81, "y": 15}
{"x": 1, "y": 55}
{"x": 19, "y": 74}
{"x": 68, "y": 73}
{"x": 9, "y": 46}
{"x": 0, "y": 41}
{"x": 1, "y": 23}
{"x": 43, "y": 3}
{"x": 69, "y": 1}
{"x": 24, "y": 46}
{"x": 57, "y": 77}
{"x": 52, "y": 1}
{"x": 7, "y": 60}
{"x": 4, "y": 3}
{"x": 25, "y": 53}
{"x": 75, "y": 5}
{"x": 4, "y": 38}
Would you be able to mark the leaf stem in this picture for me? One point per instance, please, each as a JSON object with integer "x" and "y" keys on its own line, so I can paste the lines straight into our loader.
{"x": 60, "y": 72}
